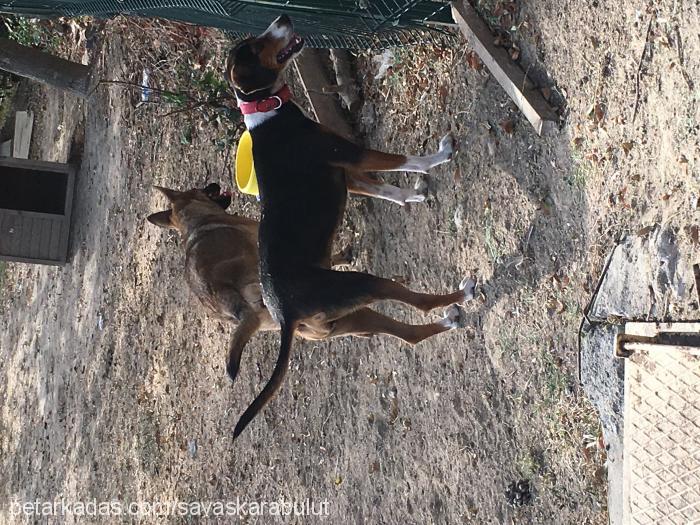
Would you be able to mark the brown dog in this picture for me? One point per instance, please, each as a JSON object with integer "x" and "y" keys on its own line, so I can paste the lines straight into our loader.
{"x": 222, "y": 270}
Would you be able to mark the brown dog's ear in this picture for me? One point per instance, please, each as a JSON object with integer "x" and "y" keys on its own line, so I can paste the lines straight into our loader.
{"x": 162, "y": 219}
{"x": 170, "y": 194}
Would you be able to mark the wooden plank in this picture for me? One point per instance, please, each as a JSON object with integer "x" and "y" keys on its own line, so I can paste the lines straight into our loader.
{"x": 45, "y": 239}
{"x": 508, "y": 74}
{"x": 55, "y": 242}
{"x": 4, "y": 237}
{"x": 24, "y": 123}
{"x": 309, "y": 66}
{"x": 39, "y": 165}
{"x": 42, "y": 67}
{"x": 26, "y": 213}
{"x": 6, "y": 149}
{"x": 35, "y": 239}
{"x": 26, "y": 240}
{"x": 63, "y": 243}
{"x": 13, "y": 258}
{"x": 67, "y": 215}
{"x": 14, "y": 235}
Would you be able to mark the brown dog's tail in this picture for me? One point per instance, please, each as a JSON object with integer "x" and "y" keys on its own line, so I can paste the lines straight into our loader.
{"x": 287, "y": 335}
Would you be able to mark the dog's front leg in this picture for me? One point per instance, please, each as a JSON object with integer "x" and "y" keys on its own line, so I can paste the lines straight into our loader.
{"x": 250, "y": 322}
{"x": 343, "y": 153}
{"x": 362, "y": 185}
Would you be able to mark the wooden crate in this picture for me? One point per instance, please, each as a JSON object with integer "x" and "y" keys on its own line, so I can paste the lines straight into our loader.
{"x": 36, "y": 199}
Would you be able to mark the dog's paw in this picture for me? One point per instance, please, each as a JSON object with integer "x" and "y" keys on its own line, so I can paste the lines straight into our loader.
{"x": 419, "y": 192}
{"x": 468, "y": 286}
{"x": 454, "y": 317}
{"x": 447, "y": 146}
{"x": 414, "y": 197}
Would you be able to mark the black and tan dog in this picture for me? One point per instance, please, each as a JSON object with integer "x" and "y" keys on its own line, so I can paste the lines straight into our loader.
{"x": 301, "y": 168}
{"x": 222, "y": 270}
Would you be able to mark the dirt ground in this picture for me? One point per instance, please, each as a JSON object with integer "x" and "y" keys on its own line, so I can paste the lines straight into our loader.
{"x": 113, "y": 381}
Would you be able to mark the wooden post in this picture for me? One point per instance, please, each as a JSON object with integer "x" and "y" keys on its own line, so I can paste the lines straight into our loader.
{"x": 42, "y": 67}
{"x": 312, "y": 73}
{"x": 509, "y": 75}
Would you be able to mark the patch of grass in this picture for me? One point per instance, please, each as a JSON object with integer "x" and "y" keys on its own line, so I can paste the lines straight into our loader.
{"x": 555, "y": 380}
{"x": 580, "y": 172}
{"x": 530, "y": 463}
{"x": 494, "y": 248}
{"x": 31, "y": 32}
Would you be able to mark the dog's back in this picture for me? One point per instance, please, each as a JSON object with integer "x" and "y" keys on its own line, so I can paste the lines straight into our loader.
{"x": 221, "y": 255}
{"x": 303, "y": 197}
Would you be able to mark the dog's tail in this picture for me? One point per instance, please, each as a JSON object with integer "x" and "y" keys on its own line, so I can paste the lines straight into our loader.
{"x": 287, "y": 335}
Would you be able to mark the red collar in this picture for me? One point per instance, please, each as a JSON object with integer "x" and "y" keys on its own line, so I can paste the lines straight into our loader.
{"x": 266, "y": 104}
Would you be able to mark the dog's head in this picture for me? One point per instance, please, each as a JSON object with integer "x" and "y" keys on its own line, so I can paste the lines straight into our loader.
{"x": 190, "y": 204}
{"x": 255, "y": 64}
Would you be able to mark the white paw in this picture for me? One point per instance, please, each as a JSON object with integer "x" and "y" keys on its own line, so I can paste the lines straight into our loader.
{"x": 419, "y": 192}
{"x": 468, "y": 286}
{"x": 415, "y": 197}
{"x": 447, "y": 146}
{"x": 454, "y": 317}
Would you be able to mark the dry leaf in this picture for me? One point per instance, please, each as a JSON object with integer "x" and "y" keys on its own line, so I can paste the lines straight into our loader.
{"x": 514, "y": 53}
{"x": 546, "y": 93}
{"x": 474, "y": 62}
{"x": 598, "y": 112}
{"x": 627, "y": 147}
{"x": 457, "y": 175}
{"x": 507, "y": 125}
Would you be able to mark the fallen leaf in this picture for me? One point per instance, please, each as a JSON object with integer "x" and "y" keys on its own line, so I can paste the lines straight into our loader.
{"x": 514, "y": 53}
{"x": 627, "y": 147}
{"x": 507, "y": 125}
{"x": 498, "y": 10}
{"x": 546, "y": 93}
{"x": 644, "y": 231}
{"x": 457, "y": 175}
{"x": 598, "y": 112}
{"x": 474, "y": 62}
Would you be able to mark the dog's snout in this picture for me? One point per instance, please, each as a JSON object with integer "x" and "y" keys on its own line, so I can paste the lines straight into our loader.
{"x": 280, "y": 28}
{"x": 283, "y": 20}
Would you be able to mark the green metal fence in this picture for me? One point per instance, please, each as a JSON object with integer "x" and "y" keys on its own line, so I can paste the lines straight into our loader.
{"x": 349, "y": 24}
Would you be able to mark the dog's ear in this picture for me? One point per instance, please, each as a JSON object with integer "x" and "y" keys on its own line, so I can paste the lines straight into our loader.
{"x": 161, "y": 218}
{"x": 170, "y": 194}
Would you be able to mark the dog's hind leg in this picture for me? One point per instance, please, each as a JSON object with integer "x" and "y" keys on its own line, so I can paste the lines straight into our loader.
{"x": 329, "y": 295}
{"x": 249, "y": 324}
{"x": 366, "y": 322}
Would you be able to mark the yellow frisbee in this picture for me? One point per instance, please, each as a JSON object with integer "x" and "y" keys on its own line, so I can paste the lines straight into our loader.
{"x": 246, "y": 180}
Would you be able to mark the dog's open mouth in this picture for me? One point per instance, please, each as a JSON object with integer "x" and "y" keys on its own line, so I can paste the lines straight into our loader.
{"x": 294, "y": 46}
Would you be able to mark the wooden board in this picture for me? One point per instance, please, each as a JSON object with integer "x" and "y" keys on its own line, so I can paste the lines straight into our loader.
{"x": 309, "y": 66}
{"x": 508, "y": 74}
{"x": 24, "y": 123}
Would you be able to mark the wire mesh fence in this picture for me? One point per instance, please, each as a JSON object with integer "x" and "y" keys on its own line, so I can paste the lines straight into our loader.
{"x": 350, "y": 24}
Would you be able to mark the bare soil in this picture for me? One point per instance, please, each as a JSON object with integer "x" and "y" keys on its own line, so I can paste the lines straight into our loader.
{"x": 113, "y": 381}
